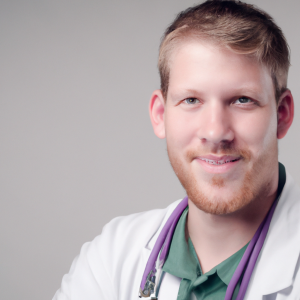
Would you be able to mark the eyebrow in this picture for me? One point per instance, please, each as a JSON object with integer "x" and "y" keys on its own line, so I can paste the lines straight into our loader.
{"x": 243, "y": 91}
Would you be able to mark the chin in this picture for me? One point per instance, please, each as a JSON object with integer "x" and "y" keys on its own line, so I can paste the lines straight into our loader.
{"x": 221, "y": 200}
{"x": 219, "y": 195}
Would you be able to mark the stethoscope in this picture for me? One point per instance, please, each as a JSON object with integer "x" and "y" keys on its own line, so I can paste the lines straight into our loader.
{"x": 153, "y": 273}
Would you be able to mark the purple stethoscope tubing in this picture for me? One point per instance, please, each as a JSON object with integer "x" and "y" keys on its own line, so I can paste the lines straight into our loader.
{"x": 164, "y": 239}
{"x": 246, "y": 264}
{"x": 249, "y": 258}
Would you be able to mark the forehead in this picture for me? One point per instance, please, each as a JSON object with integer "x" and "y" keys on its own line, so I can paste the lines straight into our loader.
{"x": 205, "y": 66}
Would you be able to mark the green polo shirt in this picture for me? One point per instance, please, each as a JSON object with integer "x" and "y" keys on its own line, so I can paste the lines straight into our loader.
{"x": 182, "y": 262}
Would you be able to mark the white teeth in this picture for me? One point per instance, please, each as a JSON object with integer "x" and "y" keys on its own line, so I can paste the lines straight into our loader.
{"x": 216, "y": 162}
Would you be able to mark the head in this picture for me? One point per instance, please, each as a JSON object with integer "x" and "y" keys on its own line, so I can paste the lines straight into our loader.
{"x": 223, "y": 103}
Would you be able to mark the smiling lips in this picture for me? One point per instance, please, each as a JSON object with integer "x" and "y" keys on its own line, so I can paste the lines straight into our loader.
{"x": 214, "y": 160}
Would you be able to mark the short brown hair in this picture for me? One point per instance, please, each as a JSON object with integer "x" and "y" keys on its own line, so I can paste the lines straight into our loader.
{"x": 241, "y": 27}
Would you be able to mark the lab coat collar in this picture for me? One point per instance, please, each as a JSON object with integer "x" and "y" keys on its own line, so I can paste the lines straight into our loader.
{"x": 278, "y": 259}
{"x": 151, "y": 242}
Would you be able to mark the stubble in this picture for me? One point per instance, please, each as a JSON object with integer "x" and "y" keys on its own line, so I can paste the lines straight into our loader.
{"x": 252, "y": 184}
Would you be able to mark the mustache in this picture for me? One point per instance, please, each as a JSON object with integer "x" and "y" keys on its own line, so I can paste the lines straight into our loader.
{"x": 220, "y": 151}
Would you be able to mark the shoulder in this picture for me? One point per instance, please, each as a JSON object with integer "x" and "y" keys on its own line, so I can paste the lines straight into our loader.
{"x": 114, "y": 257}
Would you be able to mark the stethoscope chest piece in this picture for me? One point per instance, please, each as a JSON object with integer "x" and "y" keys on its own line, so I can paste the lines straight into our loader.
{"x": 148, "y": 290}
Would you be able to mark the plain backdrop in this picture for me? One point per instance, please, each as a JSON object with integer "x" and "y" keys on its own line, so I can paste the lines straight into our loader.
{"x": 76, "y": 143}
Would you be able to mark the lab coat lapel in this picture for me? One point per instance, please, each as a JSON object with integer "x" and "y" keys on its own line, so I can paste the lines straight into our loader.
{"x": 275, "y": 267}
{"x": 153, "y": 235}
{"x": 151, "y": 242}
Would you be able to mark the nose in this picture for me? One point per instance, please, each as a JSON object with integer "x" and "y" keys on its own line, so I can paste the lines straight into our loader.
{"x": 216, "y": 124}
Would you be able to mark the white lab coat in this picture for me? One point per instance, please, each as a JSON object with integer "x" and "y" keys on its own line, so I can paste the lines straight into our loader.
{"x": 111, "y": 266}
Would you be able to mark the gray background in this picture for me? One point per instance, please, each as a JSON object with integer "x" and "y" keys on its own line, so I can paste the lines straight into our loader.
{"x": 77, "y": 147}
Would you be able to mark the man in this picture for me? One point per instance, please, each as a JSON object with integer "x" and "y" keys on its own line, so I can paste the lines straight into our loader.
{"x": 222, "y": 106}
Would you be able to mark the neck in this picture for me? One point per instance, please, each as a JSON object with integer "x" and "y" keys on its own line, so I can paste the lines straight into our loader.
{"x": 217, "y": 237}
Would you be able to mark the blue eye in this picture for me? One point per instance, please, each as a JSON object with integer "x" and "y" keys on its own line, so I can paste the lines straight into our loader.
{"x": 191, "y": 100}
{"x": 242, "y": 100}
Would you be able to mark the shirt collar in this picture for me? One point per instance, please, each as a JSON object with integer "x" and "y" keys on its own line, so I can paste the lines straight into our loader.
{"x": 182, "y": 259}
{"x": 226, "y": 268}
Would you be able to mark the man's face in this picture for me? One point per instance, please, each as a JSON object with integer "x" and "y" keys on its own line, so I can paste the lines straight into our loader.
{"x": 220, "y": 122}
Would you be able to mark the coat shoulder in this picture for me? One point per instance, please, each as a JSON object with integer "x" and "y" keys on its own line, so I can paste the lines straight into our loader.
{"x": 136, "y": 229}
{"x": 115, "y": 256}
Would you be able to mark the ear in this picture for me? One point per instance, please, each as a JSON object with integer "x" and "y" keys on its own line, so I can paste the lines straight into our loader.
{"x": 285, "y": 113}
{"x": 157, "y": 110}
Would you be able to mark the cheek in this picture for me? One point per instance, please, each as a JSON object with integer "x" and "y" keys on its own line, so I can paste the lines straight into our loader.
{"x": 180, "y": 130}
{"x": 257, "y": 131}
